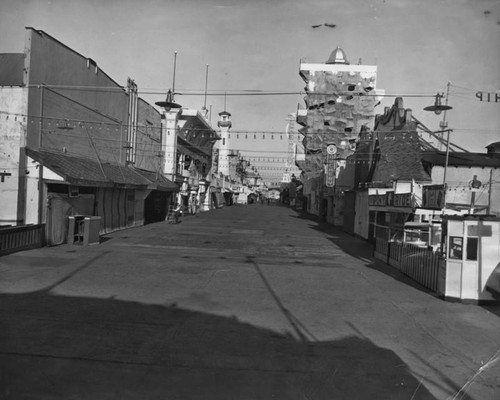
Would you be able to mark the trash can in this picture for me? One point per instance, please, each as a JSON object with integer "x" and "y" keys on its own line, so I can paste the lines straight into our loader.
{"x": 84, "y": 229}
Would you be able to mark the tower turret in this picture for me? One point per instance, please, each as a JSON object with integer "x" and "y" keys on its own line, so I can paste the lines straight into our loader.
{"x": 224, "y": 125}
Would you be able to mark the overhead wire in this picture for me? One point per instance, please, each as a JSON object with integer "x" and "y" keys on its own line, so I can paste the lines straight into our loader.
{"x": 229, "y": 92}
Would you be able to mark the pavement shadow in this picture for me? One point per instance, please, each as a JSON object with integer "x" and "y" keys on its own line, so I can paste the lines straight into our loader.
{"x": 360, "y": 249}
{"x": 492, "y": 308}
{"x": 57, "y": 347}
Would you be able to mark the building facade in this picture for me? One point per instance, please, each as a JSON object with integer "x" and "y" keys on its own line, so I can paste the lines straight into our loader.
{"x": 74, "y": 142}
{"x": 194, "y": 152}
{"x": 465, "y": 183}
{"x": 340, "y": 102}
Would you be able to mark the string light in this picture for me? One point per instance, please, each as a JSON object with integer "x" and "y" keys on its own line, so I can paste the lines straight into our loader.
{"x": 143, "y": 130}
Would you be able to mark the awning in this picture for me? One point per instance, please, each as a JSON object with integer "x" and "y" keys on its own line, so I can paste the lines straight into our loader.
{"x": 158, "y": 181}
{"x": 80, "y": 171}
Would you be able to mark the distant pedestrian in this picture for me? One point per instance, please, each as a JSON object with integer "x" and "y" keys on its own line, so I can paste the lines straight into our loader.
{"x": 177, "y": 213}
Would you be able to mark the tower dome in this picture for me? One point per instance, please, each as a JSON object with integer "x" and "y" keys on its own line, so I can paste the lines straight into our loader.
{"x": 338, "y": 57}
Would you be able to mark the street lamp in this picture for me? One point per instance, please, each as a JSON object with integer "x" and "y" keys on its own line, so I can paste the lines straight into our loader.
{"x": 169, "y": 103}
{"x": 437, "y": 107}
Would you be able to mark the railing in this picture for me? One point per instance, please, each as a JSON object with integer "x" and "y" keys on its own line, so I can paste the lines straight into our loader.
{"x": 21, "y": 238}
{"x": 420, "y": 264}
{"x": 381, "y": 249}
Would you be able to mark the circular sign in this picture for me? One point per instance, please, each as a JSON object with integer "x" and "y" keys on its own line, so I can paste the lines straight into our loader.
{"x": 331, "y": 149}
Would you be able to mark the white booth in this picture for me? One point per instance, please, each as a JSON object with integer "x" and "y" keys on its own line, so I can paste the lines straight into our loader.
{"x": 472, "y": 245}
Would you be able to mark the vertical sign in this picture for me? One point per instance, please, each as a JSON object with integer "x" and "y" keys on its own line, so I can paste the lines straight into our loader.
{"x": 330, "y": 170}
{"x": 331, "y": 150}
{"x": 215, "y": 161}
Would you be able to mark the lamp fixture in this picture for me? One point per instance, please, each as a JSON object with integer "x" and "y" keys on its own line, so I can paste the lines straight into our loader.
{"x": 437, "y": 108}
{"x": 169, "y": 103}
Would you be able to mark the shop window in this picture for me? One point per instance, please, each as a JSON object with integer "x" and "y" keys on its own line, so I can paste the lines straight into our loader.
{"x": 435, "y": 235}
{"x": 471, "y": 253}
{"x": 380, "y": 219}
{"x": 187, "y": 162}
{"x": 381, "y": 232}
{"x": 456, "y": 247}
{"x": 73, "y": 191}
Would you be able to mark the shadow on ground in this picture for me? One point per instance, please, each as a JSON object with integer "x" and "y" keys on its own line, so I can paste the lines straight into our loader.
{"x": 56, "y": 347}
{"x": 359, "y": 248}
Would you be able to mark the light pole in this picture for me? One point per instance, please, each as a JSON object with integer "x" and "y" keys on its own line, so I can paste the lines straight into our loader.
{"x": 172, "y": 111}
{"x": 438, "y": 108}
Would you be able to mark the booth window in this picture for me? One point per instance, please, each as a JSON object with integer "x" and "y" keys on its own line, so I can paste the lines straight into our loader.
{"x": 472, "y": 248}
{"x": 456, "y": 247}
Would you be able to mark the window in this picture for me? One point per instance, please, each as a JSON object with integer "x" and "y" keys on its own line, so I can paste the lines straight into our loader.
{"x": 455, "y": 247}
{"x": 471, "y": 249}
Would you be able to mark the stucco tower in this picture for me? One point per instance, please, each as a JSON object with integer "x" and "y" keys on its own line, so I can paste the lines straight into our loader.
{"x": 340, "y": 103}
{"x": 340, "y": 100}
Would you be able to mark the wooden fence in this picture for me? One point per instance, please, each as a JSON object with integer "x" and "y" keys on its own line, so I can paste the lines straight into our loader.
{"x": 20, "y": 238}
{"x": 421, "y": 264}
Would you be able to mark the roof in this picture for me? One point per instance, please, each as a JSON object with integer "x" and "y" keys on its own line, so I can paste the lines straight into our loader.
{"x": 493, "y": 147}
{"x": 399, "y": 146}
{"x": 400, "y": 157}
{"x": 338, "y": 56}
{"x": 11, "y": 69}
{"x": 86, "y": 172}
{"x": 462, "y": 159}
{"x": 195, "y": 133}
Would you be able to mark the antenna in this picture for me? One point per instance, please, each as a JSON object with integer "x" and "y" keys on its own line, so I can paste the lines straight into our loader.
{"x": 206, "y": 83}
{"x": 173, "y": 79}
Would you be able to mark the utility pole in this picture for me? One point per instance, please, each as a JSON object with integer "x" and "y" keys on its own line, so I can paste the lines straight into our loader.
{"x": 489, "y": 192}
{"x": 444, "y": 124}
{"x": 445, "y": 186}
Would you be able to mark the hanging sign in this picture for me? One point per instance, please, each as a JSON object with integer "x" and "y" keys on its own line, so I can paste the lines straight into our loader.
{"x": 390, "y": 199}
{"x": 433, "y": 196}
{"x": 489, "y": 97}
{"x": 215, "y": 161}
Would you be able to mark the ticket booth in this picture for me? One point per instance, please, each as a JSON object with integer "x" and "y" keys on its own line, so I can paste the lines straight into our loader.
{"x": 472, "y": 246}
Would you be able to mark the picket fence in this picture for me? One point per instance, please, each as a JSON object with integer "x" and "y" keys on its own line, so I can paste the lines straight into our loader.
{"x": 423, "y": 265}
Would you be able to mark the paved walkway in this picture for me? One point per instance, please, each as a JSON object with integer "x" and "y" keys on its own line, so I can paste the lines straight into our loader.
{"x": 244, "y": 302}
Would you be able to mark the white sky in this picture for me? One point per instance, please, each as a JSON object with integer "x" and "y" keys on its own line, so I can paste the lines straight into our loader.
{"x": 418, "y": 47}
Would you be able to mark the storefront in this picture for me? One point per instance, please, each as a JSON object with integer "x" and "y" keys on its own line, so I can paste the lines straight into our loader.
{"x": 388, "y": 213}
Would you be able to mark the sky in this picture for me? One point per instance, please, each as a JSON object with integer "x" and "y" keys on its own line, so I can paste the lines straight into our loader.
{"x": 418, "y": 47}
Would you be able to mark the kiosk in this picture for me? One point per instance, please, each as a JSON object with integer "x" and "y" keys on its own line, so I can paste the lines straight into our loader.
{"x": 472, "y": 247}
